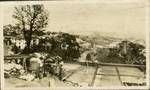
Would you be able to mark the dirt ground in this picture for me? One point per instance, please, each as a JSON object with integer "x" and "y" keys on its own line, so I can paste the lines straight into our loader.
{"x": 50, "y": 81}
{"x": 82, "y": 76}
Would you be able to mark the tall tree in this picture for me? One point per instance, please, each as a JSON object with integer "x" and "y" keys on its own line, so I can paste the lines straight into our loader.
{"x": 32, "y": 19}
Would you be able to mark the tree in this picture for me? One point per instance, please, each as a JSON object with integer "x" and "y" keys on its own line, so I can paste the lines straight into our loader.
{"x": 32, "y": 19}
{"x": 132, "y": 52}
{"x": 64, "y": 45}
{"x": 69, "y": 46}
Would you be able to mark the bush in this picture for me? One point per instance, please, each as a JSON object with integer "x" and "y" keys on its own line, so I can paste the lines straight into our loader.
{"x": 60, "y": 44}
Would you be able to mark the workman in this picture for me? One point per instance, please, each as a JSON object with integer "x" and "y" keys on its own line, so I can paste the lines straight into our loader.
{"x": 36, "y": 65}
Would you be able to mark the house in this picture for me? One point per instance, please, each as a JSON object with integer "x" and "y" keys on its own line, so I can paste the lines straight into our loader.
{"x": 19, "y": 41}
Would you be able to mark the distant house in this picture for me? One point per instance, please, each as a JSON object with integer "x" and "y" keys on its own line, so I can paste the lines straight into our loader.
{"x": 86, "y": 45}
{"x": 99, "y": 46}
{"x": 114, "y": 44}
{"x": 80, "y": 41}
{"x": 19, "y": 41}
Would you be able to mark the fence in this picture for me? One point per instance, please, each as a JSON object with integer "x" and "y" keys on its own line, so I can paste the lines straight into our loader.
{"x": 23, "y": 59}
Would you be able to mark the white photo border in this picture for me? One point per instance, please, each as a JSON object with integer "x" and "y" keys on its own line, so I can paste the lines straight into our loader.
{"x": 147, "y": 27}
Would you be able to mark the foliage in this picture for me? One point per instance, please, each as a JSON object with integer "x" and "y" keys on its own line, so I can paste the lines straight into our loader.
{"x": 31, "y": 19}
{"x": 65, "y": 45}
{"x": 15, "y": 49}
{"x": 60, "y": 44}
{"x": 126, "y": 52}
{"x": 11, "y": 30}
{"x": 129, "y": 52}
{"x": 102, "y": 54}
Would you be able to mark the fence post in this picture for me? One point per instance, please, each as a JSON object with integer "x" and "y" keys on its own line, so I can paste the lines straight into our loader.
{"x": 60, "y": 72}
{"x": 24, "y": 64}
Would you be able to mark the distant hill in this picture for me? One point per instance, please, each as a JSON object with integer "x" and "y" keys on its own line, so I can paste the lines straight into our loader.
{"x": 98, "y": 38}
{"x": 105, "y": 38}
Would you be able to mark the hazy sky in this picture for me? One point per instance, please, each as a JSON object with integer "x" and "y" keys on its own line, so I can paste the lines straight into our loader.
{"x": 123, "y": 19}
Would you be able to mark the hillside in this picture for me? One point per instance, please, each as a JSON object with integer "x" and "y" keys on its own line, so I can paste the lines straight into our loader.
{"x": 105, "y": 39}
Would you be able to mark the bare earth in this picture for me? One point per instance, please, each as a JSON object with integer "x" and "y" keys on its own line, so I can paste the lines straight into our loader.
{"x": 82, "y": 76}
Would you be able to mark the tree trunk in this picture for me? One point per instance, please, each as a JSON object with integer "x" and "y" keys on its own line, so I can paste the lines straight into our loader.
{"x": 28, "y": 45}
{"x": 28, "y": 38}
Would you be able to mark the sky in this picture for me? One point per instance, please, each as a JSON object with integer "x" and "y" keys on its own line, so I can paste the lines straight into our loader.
{"x": 123, "y": 19}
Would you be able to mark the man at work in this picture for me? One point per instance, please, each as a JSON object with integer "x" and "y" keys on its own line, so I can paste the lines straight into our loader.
{"x": 36, "y": 65}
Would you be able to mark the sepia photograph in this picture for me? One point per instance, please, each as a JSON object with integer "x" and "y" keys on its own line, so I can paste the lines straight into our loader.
{"x": 75, "y": 44}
